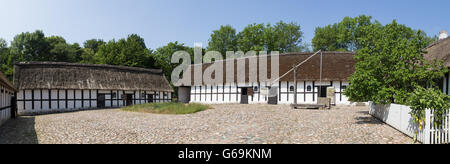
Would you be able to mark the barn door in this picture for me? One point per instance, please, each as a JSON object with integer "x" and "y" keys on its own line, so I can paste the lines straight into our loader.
{"x": 149, "y": 98}
{"x": 101, "y": 101}
{"x": 129, "y": 99}
{"x": 244, "y": 95}
{"x": 323, "y": 91}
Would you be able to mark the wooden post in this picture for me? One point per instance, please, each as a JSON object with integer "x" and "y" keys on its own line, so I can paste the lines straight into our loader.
{"x": 295, "y": 84}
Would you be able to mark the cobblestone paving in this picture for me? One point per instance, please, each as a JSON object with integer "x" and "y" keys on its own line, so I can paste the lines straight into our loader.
{"x": 225, "y": 124}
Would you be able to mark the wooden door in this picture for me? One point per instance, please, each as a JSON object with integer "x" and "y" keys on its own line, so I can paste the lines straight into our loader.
{"x": 101, "y": 101}
{"x": 149, "y": 98}
{"x": 244, "y": 95}
{"x": 129, "y": 99}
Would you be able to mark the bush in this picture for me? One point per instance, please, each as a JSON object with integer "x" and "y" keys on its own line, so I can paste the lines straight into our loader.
{"x": 167, "y": 108}
{"x": 422, "y": 99}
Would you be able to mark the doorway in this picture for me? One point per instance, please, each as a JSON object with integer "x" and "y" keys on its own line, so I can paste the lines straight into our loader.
{"x": 323, "y": 91}
{"x": 129, "y": 99}
{"x": 246, "y": 92}
{"x": 149, "y": 98}
{"x": 101, "y": 101}
{"x": 244, "y": 95}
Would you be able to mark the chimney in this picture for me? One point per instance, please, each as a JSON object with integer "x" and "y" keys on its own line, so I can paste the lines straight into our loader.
{"x": 443, "y": 34}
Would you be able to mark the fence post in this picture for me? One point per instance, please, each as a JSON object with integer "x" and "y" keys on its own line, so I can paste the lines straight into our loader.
{"x": 426, "y": 125}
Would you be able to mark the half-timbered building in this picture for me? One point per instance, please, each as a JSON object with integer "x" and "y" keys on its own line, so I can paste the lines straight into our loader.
{"x": 7, "y": 91}
{"x": 315, "y": 77}
{"x": 48, "y": 87}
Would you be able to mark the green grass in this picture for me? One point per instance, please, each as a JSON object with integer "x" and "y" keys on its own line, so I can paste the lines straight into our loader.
{"x": 167, "y": 108}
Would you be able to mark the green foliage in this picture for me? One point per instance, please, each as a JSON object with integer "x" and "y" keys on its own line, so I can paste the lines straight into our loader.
{"x": 391, "y": 64}
{"x": 251, "y": 38}
{"x": 94, "y": 44}
{"x": 163, "y": 56}
{"x": 343, "y": 36}
{"x": 130, "y": 52}
{"x": 36, "y": 47}
{"x": 4, "y": 57}
{"x": 60, "y": 51}
{"x": 30, "y": 47}
{"x": 223, "y": 40}
{"x": 421, "y": 99}
{"x": 282, "y": 37}
{"x": 167, "y": 108}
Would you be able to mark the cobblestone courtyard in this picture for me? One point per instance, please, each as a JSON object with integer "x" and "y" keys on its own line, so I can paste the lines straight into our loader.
{"x": 225, "y": 124}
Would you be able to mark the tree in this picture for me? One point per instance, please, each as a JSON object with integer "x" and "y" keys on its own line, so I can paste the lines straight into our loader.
{"x": 130, "y": 52}
{"x": 4, "y": 58}
{"x": 251, "y": 38}
{"x": 163, "y": 56}
{"x": 283, "y": 37}
{"x": 223, "y": 40}
{"x": 87, "y": 56}
{"x": 60, "y": 51}
{"x": 29, "y": 47}
{"x": 342, "y": 36}
{"x": 94, "y": 44}
{"x": 391, "y": 64}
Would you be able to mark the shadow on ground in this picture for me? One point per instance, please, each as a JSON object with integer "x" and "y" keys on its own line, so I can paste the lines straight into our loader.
{"x": 363, "y": 112}
{"x": 19, "y": 131}
{"x": 368, "y": 120}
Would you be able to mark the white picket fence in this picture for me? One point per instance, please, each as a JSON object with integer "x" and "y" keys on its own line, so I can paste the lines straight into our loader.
{"x": 433, "y": 133}
{"x": 398, "y": 117}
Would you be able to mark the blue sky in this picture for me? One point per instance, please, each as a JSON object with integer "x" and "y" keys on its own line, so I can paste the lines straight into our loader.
{"x": 190, "y": 21}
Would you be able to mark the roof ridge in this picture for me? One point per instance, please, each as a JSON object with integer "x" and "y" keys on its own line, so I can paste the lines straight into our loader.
{"x": 89, "y": 65}
{"x": 437, "y": 42}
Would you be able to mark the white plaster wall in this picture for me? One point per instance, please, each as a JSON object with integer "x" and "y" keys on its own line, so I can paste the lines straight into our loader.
{"x": 5, "y": 101}
{"x": 396, "y": 116}
{"x": 72, "y": 104}
{"x": 285, "y": 98}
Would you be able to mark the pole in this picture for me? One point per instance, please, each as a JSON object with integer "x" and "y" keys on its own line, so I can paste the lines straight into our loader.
{"x": 295, "y": 84}
{"x": 321, "y": 70}
{"x": 278, "y": 79}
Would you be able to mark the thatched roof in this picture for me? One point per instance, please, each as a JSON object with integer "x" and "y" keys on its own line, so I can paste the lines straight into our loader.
{"x": 57, "y": 75}
{"x": 5, "y": 82}
{"x": 440, "y": 50}
{"x": 337, "y": 66}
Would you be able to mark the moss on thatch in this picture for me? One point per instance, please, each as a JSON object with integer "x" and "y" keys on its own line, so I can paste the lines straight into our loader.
{"x": 57, "y": 75}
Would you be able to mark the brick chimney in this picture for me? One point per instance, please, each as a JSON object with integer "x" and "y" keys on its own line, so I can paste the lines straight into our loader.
{"x": 443, "y": 34}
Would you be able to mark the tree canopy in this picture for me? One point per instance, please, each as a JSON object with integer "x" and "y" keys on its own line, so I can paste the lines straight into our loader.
{"x": 126, "y": 52}
{"x": 163, "y": 56}
{"x": 223, "y": 40}
{"x": 391, "y": 64}
{"x": 282, "y": 37}
{"x": 344, "y": 35}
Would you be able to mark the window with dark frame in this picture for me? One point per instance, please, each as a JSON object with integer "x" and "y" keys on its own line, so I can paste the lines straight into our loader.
{"x": 291, "y": 88}
{"x": 344, "y": 87}
{"x": 309, "y": 88}
{"x": 114, "y": 95}
{"x": 255, "y": 89}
